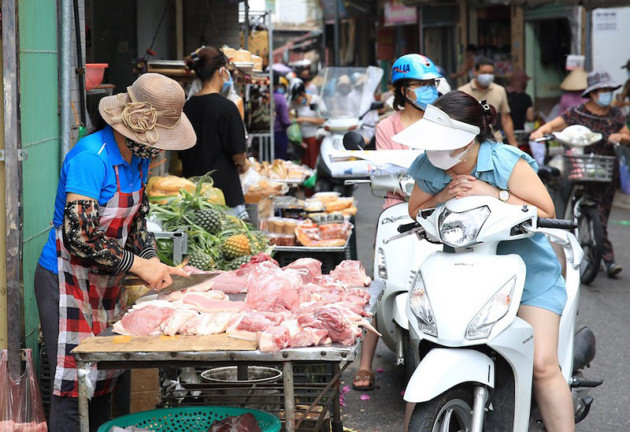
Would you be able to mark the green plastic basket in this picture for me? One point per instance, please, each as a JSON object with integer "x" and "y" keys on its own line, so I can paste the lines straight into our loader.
{"x": 189, "y": 419}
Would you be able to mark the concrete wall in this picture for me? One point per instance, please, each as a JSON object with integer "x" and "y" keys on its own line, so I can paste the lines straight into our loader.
{"x": 216, "y": 25}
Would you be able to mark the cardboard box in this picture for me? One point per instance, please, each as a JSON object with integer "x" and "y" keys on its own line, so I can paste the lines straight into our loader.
{"x": 144, "y": 389}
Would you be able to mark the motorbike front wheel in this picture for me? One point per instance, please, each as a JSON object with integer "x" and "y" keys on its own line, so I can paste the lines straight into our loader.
{"x": 591, "y": 238}
{"x": 450, "y": 411}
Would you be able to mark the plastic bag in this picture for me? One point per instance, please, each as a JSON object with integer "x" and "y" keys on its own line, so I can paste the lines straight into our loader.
{"x": 294, "y": 134}
{"x": 624, "y": 169}
{"x": 22, "y": 408}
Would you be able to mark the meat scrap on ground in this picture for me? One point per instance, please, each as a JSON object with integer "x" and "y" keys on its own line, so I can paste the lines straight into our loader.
{"x": 243, "y": 423}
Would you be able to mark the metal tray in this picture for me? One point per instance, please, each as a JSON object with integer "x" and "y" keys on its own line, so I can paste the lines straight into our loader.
{"x": 314, "y": 249}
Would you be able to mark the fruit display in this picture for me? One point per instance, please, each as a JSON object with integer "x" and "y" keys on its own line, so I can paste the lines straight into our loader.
{"x": 217, "y": 240}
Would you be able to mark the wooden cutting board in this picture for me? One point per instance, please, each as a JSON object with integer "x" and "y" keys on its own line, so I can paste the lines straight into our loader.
{"x": 177, "y": 343}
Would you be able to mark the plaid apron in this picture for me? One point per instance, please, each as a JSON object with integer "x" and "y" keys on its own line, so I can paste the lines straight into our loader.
{"x": 89, "y": 298}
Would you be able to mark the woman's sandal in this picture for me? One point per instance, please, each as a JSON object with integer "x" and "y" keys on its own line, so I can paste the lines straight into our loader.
{"x": 363, "y": 375}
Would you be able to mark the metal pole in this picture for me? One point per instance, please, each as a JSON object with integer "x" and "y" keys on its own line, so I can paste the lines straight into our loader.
{"x": 66, "y": 76}
{"x": 13, "y": 177}
{"x": 272, "y": 106}
{"x": 246, "y": 43}
{"x": 337, "y": 13}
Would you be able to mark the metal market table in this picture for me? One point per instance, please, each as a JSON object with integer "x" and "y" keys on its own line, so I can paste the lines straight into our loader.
{"x": 139, "y": 352}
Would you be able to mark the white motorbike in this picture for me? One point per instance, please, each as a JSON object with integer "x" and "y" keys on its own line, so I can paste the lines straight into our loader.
{"x": 451, "y": 317}
{"x": 474, "y": 355}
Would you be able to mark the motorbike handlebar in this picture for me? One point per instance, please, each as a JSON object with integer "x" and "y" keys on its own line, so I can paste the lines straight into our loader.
{"x": 557, "y": 223}
{"x": 408, "y": 227}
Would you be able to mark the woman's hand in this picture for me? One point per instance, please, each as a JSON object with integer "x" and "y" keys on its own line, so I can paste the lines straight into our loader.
{"x": 615, "y": 138}
{"x": 156, "y": 274}
{"x": 466, "y": 185}
{"x": 537, "y": 134}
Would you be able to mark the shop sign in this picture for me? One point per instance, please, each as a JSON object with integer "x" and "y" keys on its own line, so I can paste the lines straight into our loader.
{"x": 398, "y": 14}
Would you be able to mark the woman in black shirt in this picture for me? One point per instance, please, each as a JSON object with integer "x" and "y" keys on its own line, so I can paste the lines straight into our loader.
{"x": 220, "y": 133}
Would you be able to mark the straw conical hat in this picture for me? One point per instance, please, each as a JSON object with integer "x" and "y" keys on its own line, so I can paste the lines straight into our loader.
{"x": 575, "y": 81}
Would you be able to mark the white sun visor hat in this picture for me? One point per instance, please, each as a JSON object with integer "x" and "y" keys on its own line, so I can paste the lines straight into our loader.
{"x": 437, "y": 131}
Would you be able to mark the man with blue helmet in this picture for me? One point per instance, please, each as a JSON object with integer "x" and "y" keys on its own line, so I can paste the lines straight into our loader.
{"x": 415, "y": 79}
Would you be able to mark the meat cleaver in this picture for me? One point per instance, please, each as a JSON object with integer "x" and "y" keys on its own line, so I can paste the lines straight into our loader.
{"x": 179, "y": 282}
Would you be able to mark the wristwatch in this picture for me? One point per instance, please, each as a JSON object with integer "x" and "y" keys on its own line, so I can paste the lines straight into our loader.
{"x": 504, "y": 195}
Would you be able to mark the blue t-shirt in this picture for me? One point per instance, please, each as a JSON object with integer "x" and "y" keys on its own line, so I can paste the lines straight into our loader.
{"x": 88, "y": 170}
{"x": 494, "y": 166}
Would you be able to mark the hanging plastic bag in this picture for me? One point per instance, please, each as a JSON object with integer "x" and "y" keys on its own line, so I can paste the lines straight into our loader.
{"x": 6, "y": 395}
{"x": 29, "y": 411}
{"x": 294, "y": 134}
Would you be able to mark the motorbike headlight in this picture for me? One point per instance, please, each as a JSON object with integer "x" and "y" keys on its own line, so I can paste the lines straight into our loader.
{"x": 461, "y": 229}
{"x": 381, "y": 264}
{"x": 421, "y": 307}
{"x": 496, "y": 308}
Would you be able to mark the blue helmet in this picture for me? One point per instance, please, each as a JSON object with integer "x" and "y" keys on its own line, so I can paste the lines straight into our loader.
{"x": 414, "y": 66}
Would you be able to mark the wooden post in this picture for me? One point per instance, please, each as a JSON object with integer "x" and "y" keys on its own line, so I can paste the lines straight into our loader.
{"x": 179, "y": 28}
{"x": 518, "y": 38}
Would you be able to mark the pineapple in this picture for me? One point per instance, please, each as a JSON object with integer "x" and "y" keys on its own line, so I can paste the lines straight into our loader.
{"x": 259, "y": 241}
{"x": 208, "y": 219}
{"x": 233, "y": 223}
{"x": 236, "y": 263}
{"x": 201, "y": 260}
{"x": 235, "y": 246}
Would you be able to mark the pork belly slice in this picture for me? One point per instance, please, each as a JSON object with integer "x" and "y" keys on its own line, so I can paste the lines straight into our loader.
{"x": 145, "y": 318}
{"x": 207, "y": 324}
{"x": 273, "y": 339}
{"x": 204, "y": 303}
{"x": 181, "y": 316}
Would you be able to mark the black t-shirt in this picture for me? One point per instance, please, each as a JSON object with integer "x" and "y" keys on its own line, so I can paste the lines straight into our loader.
{"x": 519, "y": 102}
{"x": 220, "y": 135}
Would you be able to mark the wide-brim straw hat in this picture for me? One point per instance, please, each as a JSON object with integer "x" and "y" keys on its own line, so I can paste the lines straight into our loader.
{"x": 151, "y": 113}
{"x": 599, "y": 80}
{"x": 575, "y": 81}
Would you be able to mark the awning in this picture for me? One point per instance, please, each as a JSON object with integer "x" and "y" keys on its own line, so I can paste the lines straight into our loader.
{"x": 589, "y": 4}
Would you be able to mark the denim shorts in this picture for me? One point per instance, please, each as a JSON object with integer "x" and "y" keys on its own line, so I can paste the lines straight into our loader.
{"x": 553, "y": 299}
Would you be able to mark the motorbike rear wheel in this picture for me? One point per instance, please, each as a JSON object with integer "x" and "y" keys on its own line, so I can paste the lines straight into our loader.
{"x": 591, "y": 238}
{"x": 450, "y": 411}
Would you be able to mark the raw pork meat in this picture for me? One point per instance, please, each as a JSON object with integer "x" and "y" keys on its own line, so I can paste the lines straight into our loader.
{"x": 309, "y": 268}
{"x": 274, "y": 339}
{"x": 339, "y": 328}
{"x": 243, "y": 423}
{"x": 145, "y": 318}
{"x": 179, "y": 295}
{"x": 206, "y": 324}
{"x": 181, "y": 316}
{"x": 308, "y": 336}
{"x": 205, "y": 303}
{"x": 262, "y": 257}
{"x": 273, "y": 290}
{"x": 351, "y": 272}
{"x": 230, "y": 283}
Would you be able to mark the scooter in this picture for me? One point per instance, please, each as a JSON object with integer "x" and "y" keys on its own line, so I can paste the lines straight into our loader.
{"x": 344, "y": 111}
{"x": 474, "y": 356}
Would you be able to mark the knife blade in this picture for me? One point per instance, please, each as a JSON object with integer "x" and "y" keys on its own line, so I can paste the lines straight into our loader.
{"x": 179, "y": 282}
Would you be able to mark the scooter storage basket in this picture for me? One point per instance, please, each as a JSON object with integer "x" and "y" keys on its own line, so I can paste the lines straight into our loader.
{"x": 589, "y": 167}
{"x": 189, "y": 419}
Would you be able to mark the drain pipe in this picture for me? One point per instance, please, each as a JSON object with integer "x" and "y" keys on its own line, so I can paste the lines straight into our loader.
{"x": 65, "y": 58}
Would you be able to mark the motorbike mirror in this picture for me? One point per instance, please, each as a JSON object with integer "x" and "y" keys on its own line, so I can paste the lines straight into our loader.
{"x": 353, "y": 141}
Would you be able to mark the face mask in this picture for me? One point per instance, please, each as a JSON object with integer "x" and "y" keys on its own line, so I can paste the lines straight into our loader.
{"x": 227, "y": 84}
{"x": 281, "y": 90}
{"x": 443, "y": 160}
{"x": 303, "y": 101}
{"x": 141, "y": 150}
{"x": 485, "y": 80}
{"x": 604, "y": 99}
{"x": 424, "y": 95}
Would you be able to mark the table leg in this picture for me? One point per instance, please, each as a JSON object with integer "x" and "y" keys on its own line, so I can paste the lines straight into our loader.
{"x": 289, "y": 396}
{"x": 337, "y": 423}
{"x": 84, "y": 412}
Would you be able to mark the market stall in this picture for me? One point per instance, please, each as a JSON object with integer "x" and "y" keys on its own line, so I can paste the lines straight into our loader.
{"x": 302, "y": 404}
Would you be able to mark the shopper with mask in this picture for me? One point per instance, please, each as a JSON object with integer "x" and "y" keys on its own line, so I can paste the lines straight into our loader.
{"x": 220, "y": 133}
{"x": 100, "y": 233}
{"x": 461, "y": 159}
{"x": 598, "y": 115}
{"x": 281, "y": 119}
{"x": 483, "y": 87}
{"x": 306, "y": 107}
{"x": 415, "y": 78}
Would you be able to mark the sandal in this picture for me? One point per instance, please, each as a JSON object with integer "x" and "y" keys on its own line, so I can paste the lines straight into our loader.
{"x": 363, "y": 375}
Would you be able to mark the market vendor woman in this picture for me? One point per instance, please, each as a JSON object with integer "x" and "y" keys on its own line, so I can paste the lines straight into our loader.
{"x": 100, "y": 233}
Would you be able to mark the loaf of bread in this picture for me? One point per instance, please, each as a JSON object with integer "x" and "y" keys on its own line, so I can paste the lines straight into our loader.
{"x": 258, "y": 63}
{"x": 242, "y": 56}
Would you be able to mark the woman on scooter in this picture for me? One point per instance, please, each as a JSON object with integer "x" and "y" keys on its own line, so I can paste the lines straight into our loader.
{"x": 455, "y": 167}
{"x": 598, "y": 115}
{"x": 415, "y": 80}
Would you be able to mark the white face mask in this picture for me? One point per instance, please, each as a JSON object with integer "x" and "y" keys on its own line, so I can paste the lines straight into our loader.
{"x": 443, "y": 160}
{"x": 485, "y": 80}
